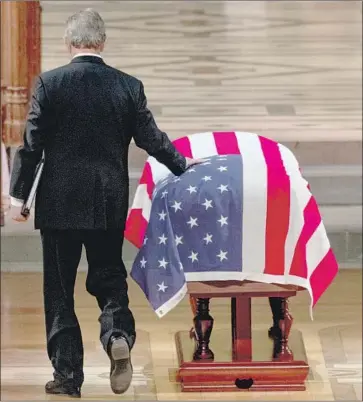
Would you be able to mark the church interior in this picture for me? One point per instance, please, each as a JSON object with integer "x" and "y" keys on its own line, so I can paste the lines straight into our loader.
{"x": 287, "y": 70}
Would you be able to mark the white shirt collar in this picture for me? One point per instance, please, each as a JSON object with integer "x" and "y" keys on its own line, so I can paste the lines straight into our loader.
{"x": 87, "y": 54}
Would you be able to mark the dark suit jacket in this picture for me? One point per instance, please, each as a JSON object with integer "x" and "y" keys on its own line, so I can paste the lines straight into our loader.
{"x": 83, "y": 116}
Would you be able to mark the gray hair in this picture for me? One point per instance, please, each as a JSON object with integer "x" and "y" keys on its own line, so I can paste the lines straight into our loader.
{"x": 85, "y": 30}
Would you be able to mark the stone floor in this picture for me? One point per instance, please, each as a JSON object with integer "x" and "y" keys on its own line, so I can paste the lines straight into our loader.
{"x": 287, "y": 70}
{"x": 333, "y": 343}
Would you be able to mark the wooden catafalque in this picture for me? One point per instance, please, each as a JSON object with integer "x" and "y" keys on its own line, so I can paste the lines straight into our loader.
{"x": 241, "y": 359}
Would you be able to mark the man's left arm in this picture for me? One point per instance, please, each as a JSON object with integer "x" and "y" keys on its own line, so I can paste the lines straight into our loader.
{"x": 30, "y": 153}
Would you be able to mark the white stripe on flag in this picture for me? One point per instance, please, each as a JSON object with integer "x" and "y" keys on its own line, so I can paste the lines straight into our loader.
{"x": 142, "y": 201}
{"x": 299, "y": 197}
{"x": 316, "y": 248}
{"x": 158, "y": 170}
{"x": 254, "y": 206}
{"x": 202, "y": 145}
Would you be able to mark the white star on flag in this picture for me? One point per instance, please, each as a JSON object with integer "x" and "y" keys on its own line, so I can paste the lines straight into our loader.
{"x": 163, "y": 194}
{"x": 193, "y": 256}
{"x": 208, "y": 238}
{"x": 162, "y": 287}
{"x": 207, "y": 204}
{"x": 207, "y": 178}
{"x": 178, "y": 240}
{"x": 176, "y": 206}
{"x": 162, "y": 216}
{"x": 143, "y": 262}
{"x": 176, "y": 180}
{"x": 223, "y": 220}
{"x": 190, "y": 170}
{"x": 222, "y": 188}
{"x": 192, "y": 222}
{"x": 181, "y": 266}
{"x": 222, "y": 255}
{"x": 162, "y": 239}
{"x": 163, "y": 263}
{"x": 192, "y": 189}
{"x": 145, "y": 240}
{"x": 222, "y": 168}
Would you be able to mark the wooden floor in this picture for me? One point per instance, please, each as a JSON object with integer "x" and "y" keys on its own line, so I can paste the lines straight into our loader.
{"x": 333, "y": 343}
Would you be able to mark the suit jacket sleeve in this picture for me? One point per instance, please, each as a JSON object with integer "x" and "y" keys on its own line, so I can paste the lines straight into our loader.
{"x": 155, "y": 142}
{"x": 29, "y": 154}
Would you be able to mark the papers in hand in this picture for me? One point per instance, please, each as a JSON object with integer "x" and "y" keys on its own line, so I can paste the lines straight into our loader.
{"x": 25, "y": 211}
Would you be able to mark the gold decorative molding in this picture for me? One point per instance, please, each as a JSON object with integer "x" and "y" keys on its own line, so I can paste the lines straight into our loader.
{"x": 16, "y": 108}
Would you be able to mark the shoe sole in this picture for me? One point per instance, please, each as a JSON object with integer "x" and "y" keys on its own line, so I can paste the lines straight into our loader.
{"x": 62, "y": 393}
{"x": 121, "y": 375}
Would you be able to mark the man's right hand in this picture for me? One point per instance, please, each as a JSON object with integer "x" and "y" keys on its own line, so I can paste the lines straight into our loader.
{"x": 192, "y": 162}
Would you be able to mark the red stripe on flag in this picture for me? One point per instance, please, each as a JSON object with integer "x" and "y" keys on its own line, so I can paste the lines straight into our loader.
{"x": 323, "y": 275}
{"x": 278, "y": 208}
{"x": 183, "y": 146}
{"x": 226, "y": 143}
{"x": 136, "y": 227}
{"x": 147, "y": 178}
{"x": 136, "y": 224}
{"x": 312, "y": 220}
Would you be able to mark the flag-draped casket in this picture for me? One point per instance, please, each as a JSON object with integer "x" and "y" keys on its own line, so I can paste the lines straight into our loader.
{"x": 246, "y": 213}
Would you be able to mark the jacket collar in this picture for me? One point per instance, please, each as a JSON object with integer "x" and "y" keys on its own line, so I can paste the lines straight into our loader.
{"x": 87, "y": 58}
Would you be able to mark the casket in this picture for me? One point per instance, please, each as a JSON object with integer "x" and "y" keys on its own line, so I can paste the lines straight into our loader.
{"x": 246, "y": 214}
{"x": 241, "y": 224}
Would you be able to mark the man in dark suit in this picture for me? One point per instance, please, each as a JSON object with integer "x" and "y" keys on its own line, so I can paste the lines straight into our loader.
{"x": 83, "y": 116}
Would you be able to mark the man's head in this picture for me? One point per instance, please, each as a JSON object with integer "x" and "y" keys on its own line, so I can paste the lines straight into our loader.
{"x": 85, "y": 32}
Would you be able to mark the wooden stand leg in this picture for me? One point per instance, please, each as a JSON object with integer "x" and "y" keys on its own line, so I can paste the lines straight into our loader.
{"x": 281, "y": 333}
{"x": 200, "y": 372}
{"x": 203, "y": 324}
{"x": 241, "y": 329}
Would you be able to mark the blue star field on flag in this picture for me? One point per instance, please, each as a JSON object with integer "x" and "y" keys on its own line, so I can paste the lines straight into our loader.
{"x": 195, "y": 226}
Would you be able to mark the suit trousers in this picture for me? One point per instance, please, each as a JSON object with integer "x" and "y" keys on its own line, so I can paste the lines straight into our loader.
{"x": 106, "y": 281}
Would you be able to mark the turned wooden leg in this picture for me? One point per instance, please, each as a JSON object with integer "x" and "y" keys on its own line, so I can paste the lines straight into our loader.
{"x": 281, "y": 329}
{"x": 203, "y": 325}
{"x": 285, "y": 327}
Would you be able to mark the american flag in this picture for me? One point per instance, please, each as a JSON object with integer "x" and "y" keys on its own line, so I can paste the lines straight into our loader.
{"x": 247, "y": 213}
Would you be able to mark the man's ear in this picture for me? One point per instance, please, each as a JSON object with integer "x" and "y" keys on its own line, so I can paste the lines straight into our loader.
{"x": 68, "y": 46}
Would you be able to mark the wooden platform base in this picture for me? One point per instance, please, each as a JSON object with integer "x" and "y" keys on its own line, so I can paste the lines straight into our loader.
{"x": 263, "y": 373}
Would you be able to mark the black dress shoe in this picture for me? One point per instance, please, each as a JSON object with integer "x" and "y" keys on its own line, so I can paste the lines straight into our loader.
{"x": 121, "y": 367}
{"x": 59, "y": 388}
